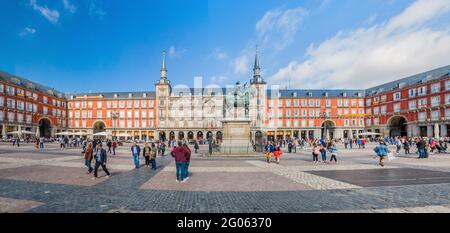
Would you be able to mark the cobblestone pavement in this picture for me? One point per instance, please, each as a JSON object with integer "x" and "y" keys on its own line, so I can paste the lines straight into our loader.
{"x": 54, "y": 180}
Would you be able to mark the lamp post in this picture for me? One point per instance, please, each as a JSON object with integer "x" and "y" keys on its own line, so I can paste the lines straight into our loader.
{"x": 114, "y": 116}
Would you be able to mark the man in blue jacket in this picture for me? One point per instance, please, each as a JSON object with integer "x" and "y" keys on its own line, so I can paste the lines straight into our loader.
{"x": 100, "y": 160}
{"x": 136, "y": 150}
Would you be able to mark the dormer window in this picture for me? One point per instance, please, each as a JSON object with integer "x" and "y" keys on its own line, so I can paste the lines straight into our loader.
{"x": 115, "y": 96}
{"x": 130, "y": 95}
{"x": 295, "y": 94}
{"x": 144, "y": 95}
{"x": 325, "y": 94}
{"x": 359, "y": 94}
{"x": 344, "y": 94}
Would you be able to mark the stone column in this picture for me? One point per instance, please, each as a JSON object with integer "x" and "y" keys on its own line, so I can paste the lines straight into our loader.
{"x": 443, "y": 130}
{"x": 316, "y": 133}
{"x": 140, "y": 135}
{"x": 430, "y": 131}
{"x": 156, "y": 135}
{"x": 410, "y": 131}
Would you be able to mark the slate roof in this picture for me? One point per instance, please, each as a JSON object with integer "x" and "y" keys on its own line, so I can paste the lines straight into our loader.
{"x": 13, "y": 79}
{"x": 411, "y": 80}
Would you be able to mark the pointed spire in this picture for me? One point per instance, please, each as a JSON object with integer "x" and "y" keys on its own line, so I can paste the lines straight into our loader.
{"x": 256, "y": 66}
{"x": 163, "y": 67}
{"x": 257, "y": 69}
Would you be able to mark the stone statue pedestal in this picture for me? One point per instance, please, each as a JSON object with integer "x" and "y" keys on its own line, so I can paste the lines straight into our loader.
{"x": 236, "y": 137}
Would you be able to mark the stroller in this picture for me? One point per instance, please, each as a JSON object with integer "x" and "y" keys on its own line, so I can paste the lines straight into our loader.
{"x": 441, "y": 148}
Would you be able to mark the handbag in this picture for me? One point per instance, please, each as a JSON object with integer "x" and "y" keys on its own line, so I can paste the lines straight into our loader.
{"x": 390, "y": 156}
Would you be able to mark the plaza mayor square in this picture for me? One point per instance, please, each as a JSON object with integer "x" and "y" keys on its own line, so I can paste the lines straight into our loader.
{"x": 224, "y": 107}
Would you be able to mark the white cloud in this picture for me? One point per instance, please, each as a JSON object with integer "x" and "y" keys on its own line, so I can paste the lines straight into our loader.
{"x": 277, "y": 28}
{"x": 241, "y": 63}
{"x": 174, "y": 52}
{"x": 69, "y": 6}
{"x": 217, "y": 79}
{"x": 27, "y": 31}
{"x": 218, "y": 54}
{"x": 94, "y": 10}
{"x": 50, "y": 15}
{"x": 404, "y": 45}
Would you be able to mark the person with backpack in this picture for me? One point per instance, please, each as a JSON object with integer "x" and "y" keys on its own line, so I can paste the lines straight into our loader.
{"x": 382, "y": 152}
{"x": 163, "y": 148}
{"x": 109, "y": 145}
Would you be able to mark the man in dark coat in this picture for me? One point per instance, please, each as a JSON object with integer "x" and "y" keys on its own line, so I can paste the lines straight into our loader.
{"x": 100, "y": 160}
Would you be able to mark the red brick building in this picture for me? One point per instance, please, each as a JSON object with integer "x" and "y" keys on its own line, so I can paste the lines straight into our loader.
{"x": 28, "y": 106}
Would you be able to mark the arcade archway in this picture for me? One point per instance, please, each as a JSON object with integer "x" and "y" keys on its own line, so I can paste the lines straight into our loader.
{"x": 397, "y": 126}
{"x": 45, "y": 128}
{"x": 327, "y": 129}
{"x": 99, "y": 127}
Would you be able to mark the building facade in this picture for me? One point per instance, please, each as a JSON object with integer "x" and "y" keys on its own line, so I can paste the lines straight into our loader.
{"x": 30, "y": 107}
{"x": 412, "y": 106}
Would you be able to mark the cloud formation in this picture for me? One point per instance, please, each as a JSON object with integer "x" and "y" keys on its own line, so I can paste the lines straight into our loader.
{"x": 69, "y": 6}
{"x": 27, "y": 31}
{"x": 49, "y": 14}
{"x": 218, "y": 54}
{"x": 174, "y": 52}
{"x": 277, "y": 28}
{"x": 414, "y": 41}
{"x": 95, "y": 10}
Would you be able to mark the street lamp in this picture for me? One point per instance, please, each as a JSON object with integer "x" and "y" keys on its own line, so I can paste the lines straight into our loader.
{"x": 114, "y": 116}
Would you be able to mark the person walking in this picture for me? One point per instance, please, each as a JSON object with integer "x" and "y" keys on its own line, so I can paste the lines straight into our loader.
{"x": 196, "y": 146}
{"x": 187, "y": 162}
{"x": 382, "y": 151}
{"x": 210, "y": 146}
{"x": 41, "y": 142}
{"x": 163, "y": 148}
{"x": 135, "y": 150}
{"x": 315, "y": 152}
{"x": 179, "y": 153}
{"x": 420, "y": 144}
{"x": 100, "y": 160}
{"x": 333, "y": 151}
{"x": 109, "y": 145}
{"x": 269, "y": 151}
{"x": 88, "y": 155}
{"x": 146, "y": 153}
{"x": 398, "y": 144}
{"x": 153, "y": 153}
{"x": 277, "y": 153}
{"x": 323, "y": 150}
{"x": 114, "y": 146}
{"x": 406, "y": 147}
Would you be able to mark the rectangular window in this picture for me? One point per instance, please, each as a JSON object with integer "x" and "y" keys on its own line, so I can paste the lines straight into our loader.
{"x": 447, "y": 99}
{"x": 311, "y": 123}
{"x": 89, "y": 114}
{"x": 136, "y": 114}
{"x": 99, "y": 114}
{"x": 422, "y": 103}
{"x": 129, "y": 114}
{"x": 144, "y": 124}
{"x": 129, "y": 124}
{"x": 99, "y": 104}
{"x": 397, "y": 96}
{"x": 397, "y": 107}
{"x": 28, "y": 119}
{"x": 345, "y": 122}
{"x": 303, "y": 102}
{"x": 144, "y": 103}
{"x": 383, "y": 109}
{"x": 311, "y": 103}
{"x": 435, "y": 88}
{"x": 368, "y": 122}
{"x": 376, "y": 110}
{"x": 422, "y": 116}
{"x": 383, "y": 98}
{"x": 45, "y": 110}
{"x": 368, "y": 102}
{"x": 345, "y": 102}
{"x": 303, "y": 123}
{"x": 288, "y": 103}
{"x": 447, "y": 85}
{"x": 295, "y": 102}
{"x": 435, "y": 115}
{"x": 328, "y": 103}
{"x": 422, "y": 90}
{"x": 447, "y": 113}
{"x": 136, "y": 124}
{"x": 412, "y": 92}
{"x": 435, "y": 101}
{"x": 121, "y": 104}
{"x": 317, "y": 103}
{"x": 412, "y": 104}
{"x": 376, "y": 121}
{"x": 136, "y": 103}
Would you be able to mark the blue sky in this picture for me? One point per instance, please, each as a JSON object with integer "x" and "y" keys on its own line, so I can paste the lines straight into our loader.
{"x": 116, "y": 45}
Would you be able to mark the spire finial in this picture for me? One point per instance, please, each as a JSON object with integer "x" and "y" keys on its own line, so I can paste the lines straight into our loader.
{"x": 163, "y": 67}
